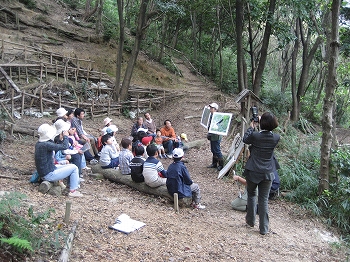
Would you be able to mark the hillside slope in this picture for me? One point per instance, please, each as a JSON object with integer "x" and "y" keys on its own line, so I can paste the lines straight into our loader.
{"x": 217, "y": 233}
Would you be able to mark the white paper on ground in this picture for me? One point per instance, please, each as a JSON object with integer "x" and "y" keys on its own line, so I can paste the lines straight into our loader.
{"x": 126, "y": 225}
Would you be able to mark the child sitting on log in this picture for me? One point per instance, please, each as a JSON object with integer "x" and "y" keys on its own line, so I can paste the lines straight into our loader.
{"x": 109, "y": 157}
{"x": 153, "y": 170}
{"x": 179, "y": 181}
{"x": 136, "y": 165}
{"x": 125, "y": 156}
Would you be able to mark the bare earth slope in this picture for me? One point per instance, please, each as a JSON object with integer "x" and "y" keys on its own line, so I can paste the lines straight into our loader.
{"x": 217, "y": 233}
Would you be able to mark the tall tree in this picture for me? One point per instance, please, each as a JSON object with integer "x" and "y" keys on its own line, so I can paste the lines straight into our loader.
{"x": 239, "y": 37}
{"x": 328, "y": 106}
{"x": 144, "y": 18}
{"x": 119, "y": 62}
{"x": 264, "y": 48}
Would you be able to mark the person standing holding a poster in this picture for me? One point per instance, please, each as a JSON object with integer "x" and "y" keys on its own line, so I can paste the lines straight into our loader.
{"x": 215, "y": 140}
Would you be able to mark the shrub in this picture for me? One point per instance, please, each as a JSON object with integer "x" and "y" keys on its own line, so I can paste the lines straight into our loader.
{"x": 30, "y": 232}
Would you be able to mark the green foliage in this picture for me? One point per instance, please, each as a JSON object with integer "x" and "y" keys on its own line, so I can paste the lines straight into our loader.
{"x": 19, "y": 244}
{"x": 33, "y": 232}
{"x": 28, "y": 3}
{"x": 335, "y": 204}
{"x": 170, "y": 65}
{"x": 73, "y": 4}
{"x": 340, "y": 164}
{"x": 299, "y": 158}
{"x": 279, "y": 103}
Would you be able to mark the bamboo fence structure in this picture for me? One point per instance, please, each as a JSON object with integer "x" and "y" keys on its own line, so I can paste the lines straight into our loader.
{"x": 19, "y": 63}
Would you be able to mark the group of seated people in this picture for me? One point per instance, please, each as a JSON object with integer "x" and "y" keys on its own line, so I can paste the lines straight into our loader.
{"x": 64, "y": 148}
{"x": 139, "y": 155}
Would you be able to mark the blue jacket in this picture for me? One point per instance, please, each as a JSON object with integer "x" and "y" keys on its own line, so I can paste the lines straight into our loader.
{"x": 178, "y": 180}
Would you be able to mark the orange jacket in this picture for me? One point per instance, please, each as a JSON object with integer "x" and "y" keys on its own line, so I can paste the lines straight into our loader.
{"x": 168, "y": 132}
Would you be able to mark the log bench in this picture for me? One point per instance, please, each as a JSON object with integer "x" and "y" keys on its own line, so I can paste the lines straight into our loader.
{"x": 116, "y": 176}
{"x": 51, "y": 188}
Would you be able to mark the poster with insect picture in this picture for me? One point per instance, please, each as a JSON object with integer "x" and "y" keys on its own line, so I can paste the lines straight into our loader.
{"x": 205, "y": 117}
{"x": 220, "y": 123}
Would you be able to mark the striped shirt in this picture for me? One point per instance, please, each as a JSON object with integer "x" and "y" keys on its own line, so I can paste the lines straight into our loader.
{"x": 151, "y": 167}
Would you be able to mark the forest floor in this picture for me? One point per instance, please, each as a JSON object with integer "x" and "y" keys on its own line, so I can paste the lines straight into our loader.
{"x": 216, "y": 233}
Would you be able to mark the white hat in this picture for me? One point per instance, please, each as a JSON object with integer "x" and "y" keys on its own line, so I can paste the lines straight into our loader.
{"x": 214, "y": 105}
{"x": 114, "y": 128}
{"x": 109, "y": 129}
{"x": 142, "y": 129}
{"x": 178, "y": 153}
{"x": 107, "y": 121}
{"x": 61, "y": 126}
{"x": 46, "y": 132}
{"x": 61, "y": 112}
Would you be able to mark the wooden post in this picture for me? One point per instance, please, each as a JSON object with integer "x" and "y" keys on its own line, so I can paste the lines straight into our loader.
{"x": 67, "y": 213}
{"x": 76, "y": 75}
{"x": 92, "y": 109}
{"x": 88, "y": 72}
{"x": 65, "y": 71}
{"x": 59, "y": 100}
{"x": 11, "y": 129}
{"x": 56, "y": 71}
{"x": 41, "y": 100}
{"x": 137, "y": 109}
{"x": 19, "y": 73}
{"x": 22, "y": 107}
{"x": 41, "y": 72}
{"x": 176, "y": 202}
{"x": 2, "y": 49}
{"x": 12, "y": 102}
{"x": 164, "y": 98}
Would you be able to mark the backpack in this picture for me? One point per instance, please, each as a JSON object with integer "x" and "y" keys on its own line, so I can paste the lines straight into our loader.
{"x": 99, "y": 144}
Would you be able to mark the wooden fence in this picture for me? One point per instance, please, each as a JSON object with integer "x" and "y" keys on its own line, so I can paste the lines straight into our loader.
{"x": 19, "y": 62}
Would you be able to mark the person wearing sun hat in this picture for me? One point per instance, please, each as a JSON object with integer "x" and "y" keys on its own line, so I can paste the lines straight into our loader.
{"x": 76, "y": 158}
{"x": 43, "y": 156}
{"x": 107, "y": 123}
{"x": 215, "y": 140}
{"x": 61, "y": 114}
{"x": 180, "y": 182}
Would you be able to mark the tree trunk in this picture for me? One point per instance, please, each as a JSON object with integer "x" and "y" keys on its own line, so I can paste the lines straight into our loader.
{"x": 88, "y": 12}
{"x": 176, "y": 34}
{"x": 240, "y": 56}
{"x": 327, "y": 120}
{"x": 98, "y": 28}
{"x": 162, "y": 39}
{"x": 194, "y": 34}
{"x": 285, "y": 71}
{"x": 141, "y": 27}
{"x": 295, "y": 107}
{"x": 220, "y": 43}
{"x": 116, "y": 90}
{"x": 264, "y": 48}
